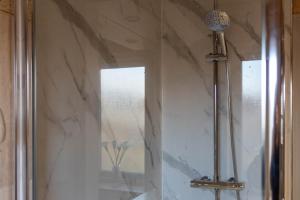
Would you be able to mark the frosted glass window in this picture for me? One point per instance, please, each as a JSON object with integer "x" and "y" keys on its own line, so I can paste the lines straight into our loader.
{"x": 123, "y": 119}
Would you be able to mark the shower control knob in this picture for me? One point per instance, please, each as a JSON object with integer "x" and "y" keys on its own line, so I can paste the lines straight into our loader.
{"x": 205, "y": 178}
{"x": 232, "y": 179}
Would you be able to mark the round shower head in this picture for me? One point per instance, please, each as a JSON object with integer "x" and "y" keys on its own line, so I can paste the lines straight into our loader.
{"x": 217, "y": 20}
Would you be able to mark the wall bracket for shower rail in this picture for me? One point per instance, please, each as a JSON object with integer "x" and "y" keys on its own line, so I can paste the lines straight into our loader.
{"x": 219, "y": 185}
{"x": 216, "y": 57}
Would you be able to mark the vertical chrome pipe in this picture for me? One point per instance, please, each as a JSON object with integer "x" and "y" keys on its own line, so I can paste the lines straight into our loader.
{"x": 216, "y": 111}
{"x": 216, "y": 118}
{"x": 20, "y": 99}
{"x": 274, "y": 67}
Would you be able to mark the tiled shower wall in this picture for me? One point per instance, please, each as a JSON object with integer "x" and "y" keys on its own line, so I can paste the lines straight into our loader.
{"x": 187, "y": 132}
{"x": 6, "y": 137}
{"x": 78, "y": 38}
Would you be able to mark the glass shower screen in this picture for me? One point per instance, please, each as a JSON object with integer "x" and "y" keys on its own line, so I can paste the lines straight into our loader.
{"x": 126, "y": 100}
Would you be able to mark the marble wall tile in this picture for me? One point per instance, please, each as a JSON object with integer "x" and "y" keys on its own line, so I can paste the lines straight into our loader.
{"x": 6, "y": 136}
{"x": 76, "y": 39}
{"x": 187, "y": 129}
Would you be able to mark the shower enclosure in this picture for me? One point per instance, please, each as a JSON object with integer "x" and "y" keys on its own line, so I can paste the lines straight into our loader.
{"x": 153, "y": 99}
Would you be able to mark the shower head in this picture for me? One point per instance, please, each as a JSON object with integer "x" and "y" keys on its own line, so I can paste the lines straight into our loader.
{"x": 217, "y": 20}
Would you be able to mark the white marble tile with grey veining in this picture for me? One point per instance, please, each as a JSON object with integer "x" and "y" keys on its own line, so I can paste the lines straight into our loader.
{"x": 187, "y": 131}
{"x": 76, "y": 41}
{"x": 171, "y": 40}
